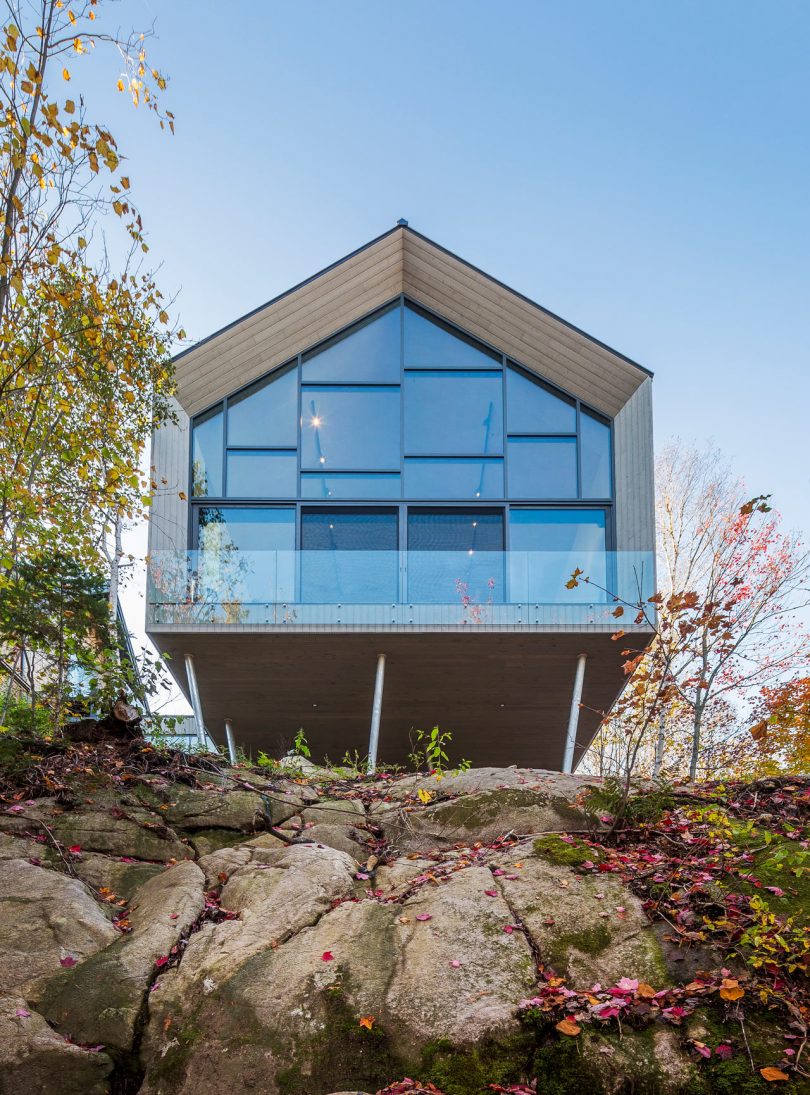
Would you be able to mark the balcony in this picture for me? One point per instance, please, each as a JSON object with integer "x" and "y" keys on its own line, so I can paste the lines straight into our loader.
{"x": 393, "y": 590}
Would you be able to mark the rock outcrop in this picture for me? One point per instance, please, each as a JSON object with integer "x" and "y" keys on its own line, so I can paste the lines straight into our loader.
{"x": 331, "y": 934}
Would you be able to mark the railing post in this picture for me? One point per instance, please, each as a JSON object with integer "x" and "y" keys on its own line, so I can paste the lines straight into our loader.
{"x": 376, "y": 713}
{"x": 573, "y": 718}
{"x": 196, "y": 704}
{"x": 229, "y": 738}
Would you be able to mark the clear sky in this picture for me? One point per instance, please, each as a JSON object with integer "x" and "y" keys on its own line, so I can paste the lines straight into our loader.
{"x": 642, "y": 169}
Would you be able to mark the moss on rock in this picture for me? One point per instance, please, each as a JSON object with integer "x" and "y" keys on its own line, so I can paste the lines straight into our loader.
{"x": 565, "y": 854}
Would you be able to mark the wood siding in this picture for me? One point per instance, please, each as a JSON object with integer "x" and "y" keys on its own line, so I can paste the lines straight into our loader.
{"x": 521, "y": 330}
{"x": 404, "y": 262}
{"x": 284, "y": 328}
{"x": 168, "y": 521}
{"x": 635, "y": 476}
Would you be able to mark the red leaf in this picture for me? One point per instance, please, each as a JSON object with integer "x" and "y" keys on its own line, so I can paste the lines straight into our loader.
{"x": 68, "y": 962}
{"x": 327, "y": 956}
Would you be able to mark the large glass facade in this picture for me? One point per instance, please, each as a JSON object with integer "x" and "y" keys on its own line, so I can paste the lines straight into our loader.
{"x": 406, "y": 460}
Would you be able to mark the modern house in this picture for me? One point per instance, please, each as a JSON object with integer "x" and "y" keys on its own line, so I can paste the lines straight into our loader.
{"x": 375, "y": 492}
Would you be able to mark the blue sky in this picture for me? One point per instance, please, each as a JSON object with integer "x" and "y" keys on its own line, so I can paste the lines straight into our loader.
{"x": 640, "y": 169}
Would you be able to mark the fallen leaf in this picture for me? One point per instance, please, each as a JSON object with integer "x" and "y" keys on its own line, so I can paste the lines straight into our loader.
{"x": 569, "y": 1027}
{"x": 22, "y": 1013}
{"x": 327, "y": 956}
{"x": 772, "y": 1074}
{"x": 68, "y": 962}
{"x": 455, "y": 963}
{"x": 724, "y": 1051}
{"x": 424, "y": 916}
{"x": 367, "y": 1021}
{"x": 731, "y": 990}
{"x": 491, "y": 893}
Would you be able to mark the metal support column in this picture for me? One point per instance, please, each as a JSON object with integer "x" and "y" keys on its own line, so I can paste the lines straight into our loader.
{"x": 229, "y": 738}
{"x": 196, "y": 705}
{"x": 376, "y": 712}
{"x": 573, "y": 718}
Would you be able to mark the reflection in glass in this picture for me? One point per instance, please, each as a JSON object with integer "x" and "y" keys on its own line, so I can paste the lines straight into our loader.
{"x": 351, "y": 485}
{"x": 547, "y": 545}
{"x": 447, "y": 477}
{"x": 349, "y": 428}
{"x": 429, "y": 344}
{"x": 256, "y": 474}
{"x": 542, "y": 467}
{"x": 206, "y": 455}
{"x": 349, "y": 556}
{"x": 595, "y": 441}
{"x": 266, "y": 413}
{"x": 457, "y": 413}
{"x": 532, "y": 408}
{"x": 367, "y": 354}
{"x": 246, "y": 555}
{"x": 456, "y": 557}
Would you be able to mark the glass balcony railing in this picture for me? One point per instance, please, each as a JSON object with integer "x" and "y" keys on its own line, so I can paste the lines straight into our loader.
{"x": 380, "y": 589}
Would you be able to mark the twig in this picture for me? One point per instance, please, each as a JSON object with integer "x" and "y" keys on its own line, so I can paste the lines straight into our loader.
{"x": 745, "y": 1039}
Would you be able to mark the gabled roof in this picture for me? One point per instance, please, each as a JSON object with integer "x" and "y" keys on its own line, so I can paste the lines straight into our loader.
{"x": 404, "y": 261}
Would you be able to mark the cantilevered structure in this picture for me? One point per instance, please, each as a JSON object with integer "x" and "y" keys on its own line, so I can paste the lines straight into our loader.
{"x": 375, "y": 492}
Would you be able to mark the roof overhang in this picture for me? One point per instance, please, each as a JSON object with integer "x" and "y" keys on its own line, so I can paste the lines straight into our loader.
{"x": 402, "y": 261}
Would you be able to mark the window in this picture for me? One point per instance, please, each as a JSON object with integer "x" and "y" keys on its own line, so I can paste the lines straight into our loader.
{"x": 430, "y": 344}
{"x": 246, "y": 554}
{"x": 542, "y": 467}
{"x": 349, "y": 530}
{"x": 532, "y": 408}
{"x": 547, "y": 545}
{"x": 252, "y": 473}
{"x": 206, "y": 455}
{"x": 455, "y": 554}
{"x": 471, "y": 478}
{"x": 371, "y": 438}
{"x": 458, "y": 413}
{"x": 595, "y": 443}
{"x": 349, "y": 428}
{"x": 265, "y": 414}
{"x": 349, "y": 556}
{"x": 351, "y": 485}
{"x": 369, "y": 353}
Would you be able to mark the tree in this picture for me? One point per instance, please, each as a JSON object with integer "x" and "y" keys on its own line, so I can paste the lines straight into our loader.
{"x": 782, "y": 733}
{"x": 750, "y": 579}
{"x": 724, "y": 622}
{"x": 84, "y": 363}
{"x": 53, "y": 617}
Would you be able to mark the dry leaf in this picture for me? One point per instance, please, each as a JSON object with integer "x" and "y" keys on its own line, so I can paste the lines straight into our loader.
{"x": 568, "y": 1026}
{"x": 773, "y": 1074}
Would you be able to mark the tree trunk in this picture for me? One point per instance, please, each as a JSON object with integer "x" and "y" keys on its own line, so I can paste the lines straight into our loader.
{"x": 698, "y": 716}
{"x": 115, "y": 581}
{"x": 659, "y": 748}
